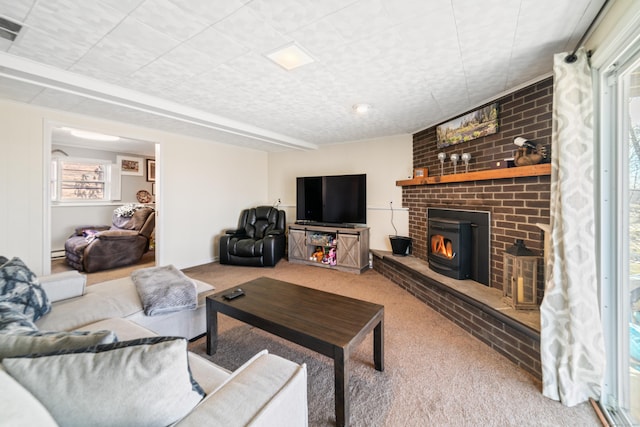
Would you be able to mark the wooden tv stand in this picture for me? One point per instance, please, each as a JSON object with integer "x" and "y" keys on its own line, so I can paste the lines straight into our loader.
{"x": 351, "y": 245}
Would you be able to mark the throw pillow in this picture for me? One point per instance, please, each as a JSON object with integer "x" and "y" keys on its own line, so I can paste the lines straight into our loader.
{"x": 20, "y": 288}
{"x": 12, "y": 322}
{"x": 12, "y": 345}
{"x": 144, "y": 382}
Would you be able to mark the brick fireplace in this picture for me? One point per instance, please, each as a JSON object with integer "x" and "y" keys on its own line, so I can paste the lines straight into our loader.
{"x": 515, "y": 206}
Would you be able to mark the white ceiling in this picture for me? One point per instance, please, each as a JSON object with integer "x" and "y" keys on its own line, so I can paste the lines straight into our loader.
{"x": 198, "y": 67}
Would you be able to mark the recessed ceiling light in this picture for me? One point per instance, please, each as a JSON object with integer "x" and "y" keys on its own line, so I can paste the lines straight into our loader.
{"x": 361, "y": 108}
{"x": 290, "y": 57}
{"x": 93, "y": 135}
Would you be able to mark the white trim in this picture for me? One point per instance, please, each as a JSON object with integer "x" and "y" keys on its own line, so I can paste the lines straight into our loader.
{"x": 47, "y": 130}
{"x": 612, "y": 222}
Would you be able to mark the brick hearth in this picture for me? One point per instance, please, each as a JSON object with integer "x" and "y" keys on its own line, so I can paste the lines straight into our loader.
{"x": 474, "y": 307}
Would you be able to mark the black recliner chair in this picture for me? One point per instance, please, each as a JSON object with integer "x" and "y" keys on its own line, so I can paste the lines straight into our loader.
{"x": 258, "y": 241}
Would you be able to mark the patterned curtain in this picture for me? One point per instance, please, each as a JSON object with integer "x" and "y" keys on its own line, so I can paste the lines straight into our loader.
{"x": 571, "y": 337}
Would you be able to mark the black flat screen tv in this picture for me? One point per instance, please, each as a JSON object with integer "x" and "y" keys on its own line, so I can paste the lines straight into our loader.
{"x": 334, "y": 199}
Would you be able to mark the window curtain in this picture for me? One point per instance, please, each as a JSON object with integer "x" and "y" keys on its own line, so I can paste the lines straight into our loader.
{"x": 571, "y": 338}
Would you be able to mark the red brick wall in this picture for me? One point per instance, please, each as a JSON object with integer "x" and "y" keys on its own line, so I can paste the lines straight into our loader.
{"x": 515, "y": 204}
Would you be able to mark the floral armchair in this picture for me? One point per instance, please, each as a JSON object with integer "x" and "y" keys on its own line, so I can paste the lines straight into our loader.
{"x": 95, "y": 248}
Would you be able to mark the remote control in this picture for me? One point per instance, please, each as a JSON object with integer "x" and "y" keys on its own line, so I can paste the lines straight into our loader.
{"x": 233, "y": 294}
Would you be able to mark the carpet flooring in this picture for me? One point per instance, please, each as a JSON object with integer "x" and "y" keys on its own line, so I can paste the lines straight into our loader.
{"x": 436, "y": 374}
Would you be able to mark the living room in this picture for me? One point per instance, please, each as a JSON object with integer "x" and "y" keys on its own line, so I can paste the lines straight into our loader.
{"x": 203, "y": 184}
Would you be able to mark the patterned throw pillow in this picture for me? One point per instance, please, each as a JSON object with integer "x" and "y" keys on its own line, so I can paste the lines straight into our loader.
{"x": 19, "y": 287}
{"x": 13, "y": 322}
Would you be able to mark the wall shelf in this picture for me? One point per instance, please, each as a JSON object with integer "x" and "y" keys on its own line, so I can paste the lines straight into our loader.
{"x": 518, "y": 171}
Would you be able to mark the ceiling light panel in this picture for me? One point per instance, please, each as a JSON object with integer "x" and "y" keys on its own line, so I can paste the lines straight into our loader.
{"x": 290, "y": 57}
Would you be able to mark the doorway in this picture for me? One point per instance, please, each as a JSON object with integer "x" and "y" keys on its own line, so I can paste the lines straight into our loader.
{"x": 69, "y": 204}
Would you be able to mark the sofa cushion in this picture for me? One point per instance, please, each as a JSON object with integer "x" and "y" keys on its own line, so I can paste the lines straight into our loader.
{"x": 12, "y": 345}
{"x": 12, "y": 321}
{"x": 19, "y": 407}
{"x": 110, "y": 384}
{"x": 114, "y": 298}
{"x": 20, "y": 288}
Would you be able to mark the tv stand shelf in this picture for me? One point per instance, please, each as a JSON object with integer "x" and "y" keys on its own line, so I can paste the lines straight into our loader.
{"x": 351, "y": 246}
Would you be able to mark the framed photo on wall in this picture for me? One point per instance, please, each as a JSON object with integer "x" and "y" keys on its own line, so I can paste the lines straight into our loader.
{"x": 473, "y": 125}
{"x": 151, "y": 170}
{"x": 130, "y": 165}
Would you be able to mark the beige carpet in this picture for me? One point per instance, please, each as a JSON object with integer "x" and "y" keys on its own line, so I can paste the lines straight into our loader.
{"x": 435, "y": 374}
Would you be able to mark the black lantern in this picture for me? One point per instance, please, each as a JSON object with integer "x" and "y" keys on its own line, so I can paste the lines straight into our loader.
{"x": 520, "y": 277}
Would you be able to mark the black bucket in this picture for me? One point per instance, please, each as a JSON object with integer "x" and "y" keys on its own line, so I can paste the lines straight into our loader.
{"x": 401, "y": 245}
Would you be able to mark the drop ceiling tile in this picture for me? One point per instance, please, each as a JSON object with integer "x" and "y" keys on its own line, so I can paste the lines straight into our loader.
{"x": 170, "y": 19}
{"x": 360, "y": 20}
{"x": 102, "y": 64}
{"x": 182, "y": 62}
{"x": 216, "y": 45}
{"x": 134, "y": 38}
{"x": 401, "y": 11}
{"x": 247, "y": 28}
{"x": 125, "y": 6}
{"x": 288, "y": 15}
{"x": 41, "y": 47}
{"x": 69, "y": 21}
{"x": 320, "y": 39}
{"x": 212, "y": 11}
{"x": 16, "y": 10}
{"x": 158, "y": 77}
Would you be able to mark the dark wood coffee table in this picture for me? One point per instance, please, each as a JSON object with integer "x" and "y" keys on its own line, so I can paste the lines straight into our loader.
{"x": 327, "y": 323}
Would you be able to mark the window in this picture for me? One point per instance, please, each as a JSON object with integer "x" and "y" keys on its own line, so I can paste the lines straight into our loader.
{"x": 620, "y": 225}
{"x": 81, "y": 180}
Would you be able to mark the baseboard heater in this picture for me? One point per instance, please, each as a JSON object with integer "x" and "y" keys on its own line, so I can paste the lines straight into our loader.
{"x": 57, "y": 254}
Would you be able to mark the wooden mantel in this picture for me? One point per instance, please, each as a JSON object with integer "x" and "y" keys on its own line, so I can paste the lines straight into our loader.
{"x": 519, "y": 171}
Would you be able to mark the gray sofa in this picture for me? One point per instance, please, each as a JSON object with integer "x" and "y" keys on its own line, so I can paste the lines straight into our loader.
{"x": 267, "y": 391}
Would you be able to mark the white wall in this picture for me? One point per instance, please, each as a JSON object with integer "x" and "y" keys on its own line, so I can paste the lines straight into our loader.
{"x": 205, "y": 186}
{"x": 384, "y": 160}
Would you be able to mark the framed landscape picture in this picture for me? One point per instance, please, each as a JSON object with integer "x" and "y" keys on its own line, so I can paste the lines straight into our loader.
{"x": 130, "y": 165}
{"x": 476, "y": 124}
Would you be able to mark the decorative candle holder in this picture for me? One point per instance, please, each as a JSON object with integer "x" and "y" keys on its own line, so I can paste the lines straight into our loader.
{"x": 442, "y": 157}
{"x": 520, "y": 277}
{"x": 465, "y": 158}
{"x": 454, "y": 159}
